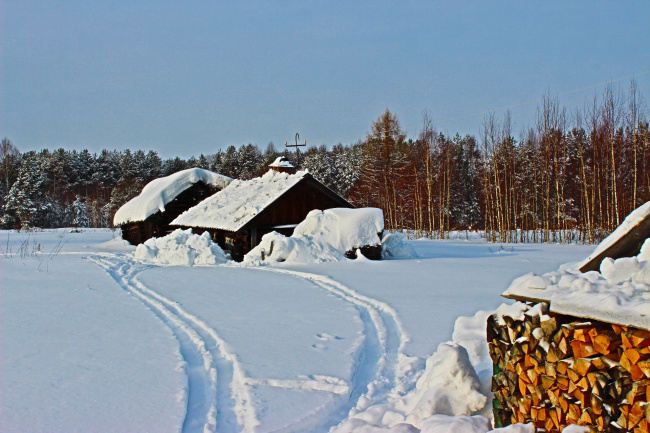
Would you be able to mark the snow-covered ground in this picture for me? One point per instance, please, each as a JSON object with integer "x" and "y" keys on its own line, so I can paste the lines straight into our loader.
{"x": 93, "y": 340}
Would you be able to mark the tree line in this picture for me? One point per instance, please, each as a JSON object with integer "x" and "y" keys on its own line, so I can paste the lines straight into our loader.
{"x": 569, "y": 177}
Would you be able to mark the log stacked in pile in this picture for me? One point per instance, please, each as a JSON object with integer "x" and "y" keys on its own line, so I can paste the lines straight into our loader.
{"x": 555, "y": 370}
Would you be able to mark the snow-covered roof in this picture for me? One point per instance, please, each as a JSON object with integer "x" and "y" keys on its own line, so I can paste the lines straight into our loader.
{"x": 632, "y": 222}
{"x": 157, "y": 193}
{"x": 236, "y": 205}
{"x": 281, "y": 161}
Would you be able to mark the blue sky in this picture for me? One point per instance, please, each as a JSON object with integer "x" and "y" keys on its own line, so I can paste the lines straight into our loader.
{"x": 186, "y": 78}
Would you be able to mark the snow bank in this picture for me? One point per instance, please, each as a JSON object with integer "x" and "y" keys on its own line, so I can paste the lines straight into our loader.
{"x": 324, "y": 236}
{"x": 115, "y": 244}
{"x": 157, "y": 193}
{"x": 393, "y": 245}
{"x": 181, "y": 248}
{"x": 238, "y": 203}
{"x": 619, "y": 293}
{"x": 445, "y": 394}
{"x": 449, "y": 396}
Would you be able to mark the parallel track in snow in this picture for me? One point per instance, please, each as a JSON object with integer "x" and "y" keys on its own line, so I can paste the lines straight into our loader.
{"x": 218, "y": 394}
{"x": 377, "y": 365}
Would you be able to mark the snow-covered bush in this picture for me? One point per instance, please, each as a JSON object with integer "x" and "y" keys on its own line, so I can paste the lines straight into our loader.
{"x": 182, "y": 248}
{"x": 324, "y": 236}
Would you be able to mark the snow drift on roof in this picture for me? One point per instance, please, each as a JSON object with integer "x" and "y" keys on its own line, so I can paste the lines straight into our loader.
{"x": 157, "y": 193}
{"x": 234, "y": 206}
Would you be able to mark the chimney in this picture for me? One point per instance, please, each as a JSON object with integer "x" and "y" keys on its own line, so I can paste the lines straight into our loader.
{"x": 283, "y": 165}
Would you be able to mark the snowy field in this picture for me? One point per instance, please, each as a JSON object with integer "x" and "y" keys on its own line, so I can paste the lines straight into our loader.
{"x": 92, "y": 340}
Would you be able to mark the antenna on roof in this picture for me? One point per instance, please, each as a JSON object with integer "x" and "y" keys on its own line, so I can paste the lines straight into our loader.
{"x": 297, "y": 147}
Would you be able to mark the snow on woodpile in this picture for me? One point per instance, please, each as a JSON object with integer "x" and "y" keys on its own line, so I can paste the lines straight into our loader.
{"x": 181, "y": 248}
{"x": 157, "y": 193}
{"x": 238, "y": 203}
{"x": 619, "y": 293}
{"x": 324, "y": 236}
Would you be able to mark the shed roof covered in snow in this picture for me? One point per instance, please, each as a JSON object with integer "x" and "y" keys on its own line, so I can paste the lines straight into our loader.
{"x": 242, "y": 201}
{"x": 159, "y": 192}
{"x": 624, "y": 241}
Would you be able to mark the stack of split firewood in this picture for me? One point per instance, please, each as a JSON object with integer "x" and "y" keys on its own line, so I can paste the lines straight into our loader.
{"x": 555, "y": 370}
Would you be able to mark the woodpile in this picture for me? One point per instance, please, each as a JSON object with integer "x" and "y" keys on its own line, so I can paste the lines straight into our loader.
{"x": 555, "y": 370}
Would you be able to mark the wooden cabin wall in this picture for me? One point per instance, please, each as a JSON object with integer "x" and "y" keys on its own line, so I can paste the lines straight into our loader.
{"x": 185, "y": 200}
{"x": 293, "y": 209}
{"x": 157, "y": 225}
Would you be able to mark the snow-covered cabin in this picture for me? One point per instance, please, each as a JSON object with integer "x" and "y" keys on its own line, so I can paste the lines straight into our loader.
{"x": 161, "y": 200}
{"x": 239, "y": 215}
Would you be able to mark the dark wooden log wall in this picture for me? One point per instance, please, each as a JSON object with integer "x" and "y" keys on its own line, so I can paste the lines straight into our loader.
{"x": 293, "y": 209}
{"x": 157, "y": 225}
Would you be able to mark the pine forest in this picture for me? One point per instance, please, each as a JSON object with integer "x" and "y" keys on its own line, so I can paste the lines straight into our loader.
{"x": 570, "y": 177}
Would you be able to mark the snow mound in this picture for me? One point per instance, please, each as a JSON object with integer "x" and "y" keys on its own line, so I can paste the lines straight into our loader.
{"x": 619, "y": 293}
{"x": 181, "y": 248}
{"x": 324, "y": 236}
{"x": 449, "y": 396}
{"x": 157, "y": 193}
{"x": 449, "y": 386}
{"x": 456, "y": 424}
{"x": 393, "y": 245}
{"x": 115, "y": 244}
{"x": 237, "y": 204}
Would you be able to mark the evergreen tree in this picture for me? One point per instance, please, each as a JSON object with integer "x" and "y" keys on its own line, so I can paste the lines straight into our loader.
{"x": 203, "y": 163}
{"x": 152, "y": 166}
{"x": 80, "y": 213}
{"x": 26, "y": 200}
{"x": 173, "y": 165}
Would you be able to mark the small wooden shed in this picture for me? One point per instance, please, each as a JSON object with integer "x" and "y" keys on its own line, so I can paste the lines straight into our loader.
{"x": 238, "y": 216}
{"x": 161, "y": 200}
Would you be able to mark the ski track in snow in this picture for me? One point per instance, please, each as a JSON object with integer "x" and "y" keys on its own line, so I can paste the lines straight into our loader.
{"x": 218, "y": 395}
{"x": 218, "y": 392}
{"x": 376, "y": 371}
